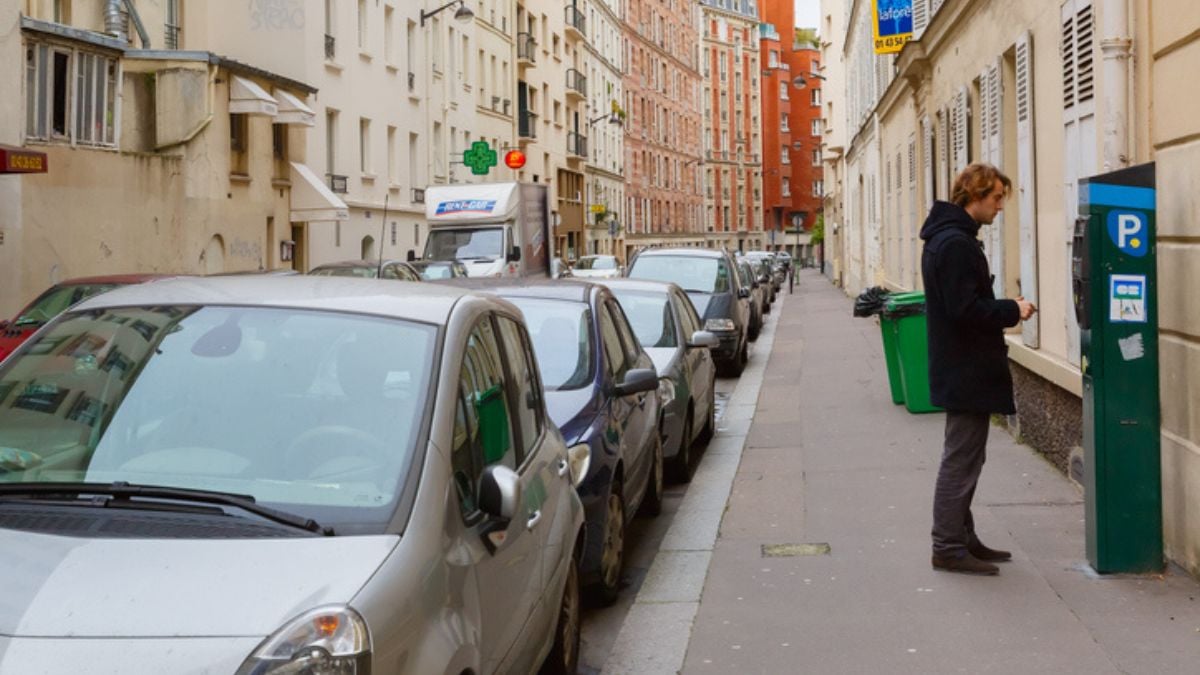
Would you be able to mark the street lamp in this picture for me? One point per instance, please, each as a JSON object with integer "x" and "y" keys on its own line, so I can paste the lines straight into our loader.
{"x": 463, "y": 13}
{"x": 613, "y": 118}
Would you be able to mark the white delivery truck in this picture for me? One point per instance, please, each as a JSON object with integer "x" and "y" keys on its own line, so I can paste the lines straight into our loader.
{"x": 495, "y": 229}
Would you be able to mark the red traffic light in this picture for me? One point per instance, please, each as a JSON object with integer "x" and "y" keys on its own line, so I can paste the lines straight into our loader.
{"x": 514, "y": 159}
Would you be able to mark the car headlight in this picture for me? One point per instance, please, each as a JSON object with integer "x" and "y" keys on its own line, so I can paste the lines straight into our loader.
{"x": 324, "y": 641}
{"x": 666, "y": 392}
{"x": 579, "y": 457}
{"x": 719, "y": 324}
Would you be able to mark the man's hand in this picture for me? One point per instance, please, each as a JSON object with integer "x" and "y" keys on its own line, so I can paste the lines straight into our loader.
{"x": 1026, "y": 308}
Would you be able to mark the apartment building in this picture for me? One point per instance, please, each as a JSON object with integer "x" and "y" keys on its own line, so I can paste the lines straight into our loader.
{"x": 791, "y": 128}
{"x": 1051, "y": 93}
{"x": 606, "y": 133}
{"x": 734, "y": 103}
{"x": 835, "y": 121}
{"x": 162, "y": 153}
{"x": 663, "y": 145}
{"x": 551, "y": 107}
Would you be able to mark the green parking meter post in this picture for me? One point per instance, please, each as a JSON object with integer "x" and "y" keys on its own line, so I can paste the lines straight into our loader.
{"x": 1115, "y": 288}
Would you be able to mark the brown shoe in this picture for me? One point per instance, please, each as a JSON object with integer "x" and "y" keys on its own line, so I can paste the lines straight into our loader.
{"x": 967, "y": 564}
{"x": 988, "y": 554}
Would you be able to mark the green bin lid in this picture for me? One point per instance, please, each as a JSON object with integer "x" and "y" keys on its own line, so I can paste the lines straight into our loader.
{"x": 900, "y": 305}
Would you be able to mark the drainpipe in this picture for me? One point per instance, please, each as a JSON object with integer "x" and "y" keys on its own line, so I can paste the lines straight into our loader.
{"x": 1117, "y": 47}
{"x": 116, "y": 22}
{"x": 137, "y": 24}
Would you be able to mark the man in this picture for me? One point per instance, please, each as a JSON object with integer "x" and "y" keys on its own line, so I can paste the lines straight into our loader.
{"x": 968, "y": 358}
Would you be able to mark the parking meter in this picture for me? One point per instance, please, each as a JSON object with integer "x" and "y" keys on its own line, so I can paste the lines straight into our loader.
{"x": 1114, "y": 284}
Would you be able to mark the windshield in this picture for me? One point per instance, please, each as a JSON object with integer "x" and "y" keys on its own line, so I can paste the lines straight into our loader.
{"x": 316, "y": 412}
{"x": 56, "y": 300}
{"x": 650, "y": 316}
{"x": 562, "y": 340}
{"x": 691, "y": 273}
{"x": 433, "y": 271}
{"x": 362, "y": 272}
{"x": 474, "y": 244}
{"x": 602, "y": 262}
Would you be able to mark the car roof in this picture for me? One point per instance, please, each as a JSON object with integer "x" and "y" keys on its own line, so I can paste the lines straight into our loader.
{"x": 357, "y": 263}
{"x": 535, "y": 287}
{"x": 638, "y": 285}
{"x": 697, "y": 252}
{"x": 136, "y": 278}
{"x": 429, "y": 303}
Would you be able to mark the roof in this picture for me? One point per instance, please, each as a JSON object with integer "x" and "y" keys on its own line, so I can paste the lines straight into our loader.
{"x": 696, "y": 252}
{"x": 429, "y": 303}
{"x": 637, "y": 285}
{"x": 534, "y": 287}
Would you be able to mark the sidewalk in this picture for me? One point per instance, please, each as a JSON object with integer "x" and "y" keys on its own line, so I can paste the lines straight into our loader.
{"x": 828, "y": 459}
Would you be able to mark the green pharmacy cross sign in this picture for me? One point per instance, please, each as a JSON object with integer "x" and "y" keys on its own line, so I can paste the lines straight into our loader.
{"x": 481, "y": 158}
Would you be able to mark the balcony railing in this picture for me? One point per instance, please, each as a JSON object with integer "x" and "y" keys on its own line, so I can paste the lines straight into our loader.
{"x": 576, "y": 83}
{"x": 576, "y": 21}
{"x": 526, "y": 48}
{"x": 330, "y": 46}
{"x": 337, "y": 183}
{"x": 527, "y": 125}
{"x": 577, "y": 144}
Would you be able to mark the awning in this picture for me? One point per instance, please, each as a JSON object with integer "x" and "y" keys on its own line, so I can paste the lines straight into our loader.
{"x": 312, "y": 200}
{"x": 293, "y": 111}
{"x": 20, "y": 160}
{"x": 248, "y": 98}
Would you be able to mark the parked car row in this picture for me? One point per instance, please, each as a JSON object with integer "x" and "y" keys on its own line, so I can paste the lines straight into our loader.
{"x": 406, "y": 478}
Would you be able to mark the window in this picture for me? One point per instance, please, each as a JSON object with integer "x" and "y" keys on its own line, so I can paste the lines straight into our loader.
{"x": 172, "y": 24}
{"x": 818, "y": 188}
{"x": 239, "y": 144}
{"x": 783, "y": 90}
{"x": 279, "y": 151}
{"x": 70, "y": 95}
{"x": 816, "y": 127}
{"x": 614, "y": 353}
{"x": 389, "y": 37}
{"x": 362, "y": 24}
{"x": 364, "y": 145}
{"x": 330, "y": 44}
{"x": 409, "y": 45}
{"x": 331, "y": 118}
{"x": 528, "y": 388}
{"x": 391, "y": 155}
{"x": 630, "y": 343}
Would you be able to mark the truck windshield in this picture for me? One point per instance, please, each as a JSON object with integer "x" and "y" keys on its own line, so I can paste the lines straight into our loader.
{"x": 473, "y": 244}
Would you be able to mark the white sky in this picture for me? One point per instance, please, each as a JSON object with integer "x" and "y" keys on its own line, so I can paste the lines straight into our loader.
{"x": 808, "y": 13}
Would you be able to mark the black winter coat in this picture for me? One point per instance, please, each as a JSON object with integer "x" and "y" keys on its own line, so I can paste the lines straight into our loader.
{"x": 968, "y": 358}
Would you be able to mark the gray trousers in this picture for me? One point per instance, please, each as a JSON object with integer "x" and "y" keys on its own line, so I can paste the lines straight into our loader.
{"x": 963, "y": 455}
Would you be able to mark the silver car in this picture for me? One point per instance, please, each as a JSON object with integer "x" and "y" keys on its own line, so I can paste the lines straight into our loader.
{"x": 309, "y": 475}
{"x": 597, "y": 267}
{"x": 668, "y": 328}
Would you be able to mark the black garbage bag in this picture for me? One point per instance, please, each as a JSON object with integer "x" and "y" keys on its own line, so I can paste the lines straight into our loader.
{"x": 871, "y": 301}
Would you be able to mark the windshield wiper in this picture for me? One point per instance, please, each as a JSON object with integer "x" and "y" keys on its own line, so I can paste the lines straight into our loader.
{"x": 124, "y": 491}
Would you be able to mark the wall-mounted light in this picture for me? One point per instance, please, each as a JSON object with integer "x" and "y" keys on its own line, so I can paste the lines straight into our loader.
{"x": 463, "y": 13}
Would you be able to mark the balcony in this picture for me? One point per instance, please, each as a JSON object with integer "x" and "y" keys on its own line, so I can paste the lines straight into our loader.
{"x": 577, "y": 144}
{"x": 526, "y": 50}
{"x": 337, "y": 184}
{"x": 527, "y": 123}
{"x": 576, "y": 23}
{"x": 576, "y": 85}
{"x": 330, "y": 47}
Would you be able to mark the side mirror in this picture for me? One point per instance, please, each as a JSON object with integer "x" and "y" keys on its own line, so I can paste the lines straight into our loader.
{"x": 703, "y": 339}
{"x": 499, "y": 492}
{"x": 412, "y": 255}
{"x": 744, "y": 293}
{"x": 515, "y": 254}
{"x": 637, "y": 381}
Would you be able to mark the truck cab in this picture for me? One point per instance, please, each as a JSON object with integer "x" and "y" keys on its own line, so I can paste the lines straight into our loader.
{"x": 494, "y": 229}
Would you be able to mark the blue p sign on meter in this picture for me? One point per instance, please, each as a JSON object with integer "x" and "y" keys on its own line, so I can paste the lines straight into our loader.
{"x": 1127, "y": 229}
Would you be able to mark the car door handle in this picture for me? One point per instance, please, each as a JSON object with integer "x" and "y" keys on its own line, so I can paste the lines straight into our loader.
{"x": 534, "y": 519}
{"x": 563, "y": 467}
{"x": 642, "y": 401}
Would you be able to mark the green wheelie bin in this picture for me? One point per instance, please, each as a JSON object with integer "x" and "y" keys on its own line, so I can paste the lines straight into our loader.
{"x": 891, "y": 351}
{"x": 905, "y": 312}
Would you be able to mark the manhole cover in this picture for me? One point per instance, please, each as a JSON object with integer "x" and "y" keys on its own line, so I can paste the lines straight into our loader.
{"x": 793, "y": 550}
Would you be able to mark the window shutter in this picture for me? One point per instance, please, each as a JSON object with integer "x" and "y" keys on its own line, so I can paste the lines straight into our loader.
{"x": 1068, "y": 60}
{"x": 914, "y": 224}
{"x": 927, "y": 159}
{"x": 961, "y": 136}
{"x": 1027, "y": 185}
{"x": 920, "y": 9}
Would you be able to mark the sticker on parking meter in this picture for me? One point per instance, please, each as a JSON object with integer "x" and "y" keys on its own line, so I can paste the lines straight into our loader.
{"x": 1127, "y": 298}
{"x": 1128, "y": 230}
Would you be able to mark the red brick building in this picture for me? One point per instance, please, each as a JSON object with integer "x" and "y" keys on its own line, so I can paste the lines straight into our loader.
{"x": 791, "y": 133}
{"x": 663, "y": 150}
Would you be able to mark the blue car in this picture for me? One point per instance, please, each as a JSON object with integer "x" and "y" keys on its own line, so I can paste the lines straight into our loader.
{"x": 602, "y": 392}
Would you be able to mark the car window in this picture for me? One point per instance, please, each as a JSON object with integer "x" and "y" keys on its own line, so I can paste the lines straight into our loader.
{"x": 691, "y": 273}
{"x": 630, "y": 343}
{"x": 54, "y": 301}
{"x": 482, "y": 428}
{"x": 650, "y": 317}
{"x": 405, "y": 273}
{"x": 527, "y": 391}
{"x": 562, "y": 341}
{"x": 686, "y": 315}
{"x": 391, "y": 272}
{"x": 611, "y": 339}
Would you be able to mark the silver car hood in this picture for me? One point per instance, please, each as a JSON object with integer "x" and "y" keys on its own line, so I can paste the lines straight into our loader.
{"x": 55, "y": 586}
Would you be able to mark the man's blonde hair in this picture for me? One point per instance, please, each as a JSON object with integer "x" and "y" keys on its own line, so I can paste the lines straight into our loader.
{"x": 977, "y": 182}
